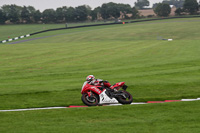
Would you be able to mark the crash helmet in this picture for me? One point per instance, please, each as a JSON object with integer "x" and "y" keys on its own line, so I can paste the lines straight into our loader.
{"x": 90, "y": 78}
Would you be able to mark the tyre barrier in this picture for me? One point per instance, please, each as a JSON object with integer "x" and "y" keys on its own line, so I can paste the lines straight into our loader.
{"x": 16, "y": 38}
{"x": 81, "y": 106}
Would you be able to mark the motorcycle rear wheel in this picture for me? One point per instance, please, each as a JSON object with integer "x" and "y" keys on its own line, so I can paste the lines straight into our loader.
{"x": 90, "y": 101}
{"x": 123, "y": 100}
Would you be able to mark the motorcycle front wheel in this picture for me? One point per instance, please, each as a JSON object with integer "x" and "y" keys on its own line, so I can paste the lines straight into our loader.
{"x": 90, "y": 101}
{"x": 125, "y": 98}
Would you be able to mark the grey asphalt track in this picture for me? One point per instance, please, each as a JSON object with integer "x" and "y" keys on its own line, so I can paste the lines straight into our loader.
{"x": 21, "y": 41}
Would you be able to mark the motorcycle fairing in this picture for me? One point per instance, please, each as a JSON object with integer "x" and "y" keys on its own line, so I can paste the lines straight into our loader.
{"x": 87, "y": 87}
{"x": 105, "y": 99}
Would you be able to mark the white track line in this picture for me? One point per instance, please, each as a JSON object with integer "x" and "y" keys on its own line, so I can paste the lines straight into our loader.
{"x": 69, "y": 107}
{"x": 139, "y": 103}
{"x": 113, "y": 105}
{"x": 118, "y": 104}
{"x": 32, "y": 109}
{"x": 190, "y": 99}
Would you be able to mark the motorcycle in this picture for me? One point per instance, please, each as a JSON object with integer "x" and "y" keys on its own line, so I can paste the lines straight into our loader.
{"x": 98, "y": 95}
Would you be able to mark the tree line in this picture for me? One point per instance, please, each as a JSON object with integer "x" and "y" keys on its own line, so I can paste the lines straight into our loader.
{"x": 28, "y": 14}
{"x": 183, "y": 7}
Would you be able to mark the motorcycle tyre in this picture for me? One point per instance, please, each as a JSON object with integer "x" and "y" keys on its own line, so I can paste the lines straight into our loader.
{"x": 121, "y": 100}
{"x": 86, "y": 102}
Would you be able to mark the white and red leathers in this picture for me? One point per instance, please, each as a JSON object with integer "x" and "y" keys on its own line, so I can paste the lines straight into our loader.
{"x": 99, "y": 82}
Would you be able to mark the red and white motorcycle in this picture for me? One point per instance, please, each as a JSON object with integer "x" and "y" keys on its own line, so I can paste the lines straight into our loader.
{"x": 97, "y": 95}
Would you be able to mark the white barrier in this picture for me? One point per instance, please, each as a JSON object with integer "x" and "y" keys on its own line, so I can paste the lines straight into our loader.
{"x": 12, "y": 39}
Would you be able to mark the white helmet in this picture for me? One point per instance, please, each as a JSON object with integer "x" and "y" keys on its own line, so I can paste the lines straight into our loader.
{"x": 90, "y": 78}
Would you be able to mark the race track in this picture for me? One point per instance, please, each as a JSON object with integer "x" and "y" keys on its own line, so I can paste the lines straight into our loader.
{"x": 80, "y": 106}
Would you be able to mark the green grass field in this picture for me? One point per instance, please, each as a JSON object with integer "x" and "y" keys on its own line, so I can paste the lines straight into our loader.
{"x": 180, "y": 117}
{"x": 16, "y": 30}
{"x": 50, "y": 72}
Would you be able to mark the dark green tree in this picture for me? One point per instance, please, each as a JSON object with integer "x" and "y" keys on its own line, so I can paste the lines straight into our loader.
{"x": 94, "y": 13}
{"x": 109, "y": 10}
{"x": 89, "y": 9}
{"x": 179, "y": 11}
{"x": 114, "y": 10}
{"x": 191, "y": 6}
{"x": 2, "y": 17}
{"x": 49, "y": 16}
{"x": 135, "y": 13}
{"x": 37, "y": 15}
{"x": 59, "y": 14}
{"x": 25, "y": 15}
{"x": 162, "y": 9}
{"x": 82, "y": 12}
{"x": 32, "y": 11}
{"x": 105, "y": 11}
{"x": 141, "y": 3}
{"x": 69, "y": 14}
{"x": 125, "y": 9}
{"x": 12, "y": 12}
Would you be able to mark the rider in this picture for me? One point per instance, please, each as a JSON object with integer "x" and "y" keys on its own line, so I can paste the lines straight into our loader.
{"x": 98, "y": 82}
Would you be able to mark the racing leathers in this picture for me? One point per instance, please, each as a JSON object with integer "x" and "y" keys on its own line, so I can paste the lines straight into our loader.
{"x": 99, "y": 82}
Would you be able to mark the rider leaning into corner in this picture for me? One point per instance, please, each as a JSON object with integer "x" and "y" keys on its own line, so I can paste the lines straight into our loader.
{"x": 99, "y": 82}
{"x": 108, "y": 93}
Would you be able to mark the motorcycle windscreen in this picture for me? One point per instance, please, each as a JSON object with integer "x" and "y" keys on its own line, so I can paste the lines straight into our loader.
{"x": 83, "y": 85}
